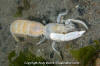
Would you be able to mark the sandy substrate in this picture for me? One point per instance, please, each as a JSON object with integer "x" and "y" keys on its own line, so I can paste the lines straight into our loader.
{"x": 50, "y": 9}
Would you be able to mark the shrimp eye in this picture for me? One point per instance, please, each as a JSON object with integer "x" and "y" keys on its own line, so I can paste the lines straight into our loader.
{"x": 64, "y": 32}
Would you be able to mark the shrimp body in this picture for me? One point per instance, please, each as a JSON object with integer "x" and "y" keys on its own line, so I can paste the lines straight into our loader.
{"x": 25, "y": 27}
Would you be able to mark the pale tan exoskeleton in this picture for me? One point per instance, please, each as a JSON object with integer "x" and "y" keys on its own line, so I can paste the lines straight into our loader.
{"x": 53, "y": 31}
{"x": 26, "y": 28}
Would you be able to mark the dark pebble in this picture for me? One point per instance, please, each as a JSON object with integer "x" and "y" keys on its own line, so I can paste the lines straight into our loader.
{"x": 75, "y": 1}
{"x": 0, "y": 27}
{"x": 81, "y": 11}
{"x": 52, "y": 55}
{"x": 91, "y": 41}
{"x": 18, "y": 1}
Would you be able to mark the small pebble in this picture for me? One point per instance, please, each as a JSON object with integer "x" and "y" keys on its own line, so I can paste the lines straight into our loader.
{"x": 80, "y": 10}
{"x": 75, "y": 1}
{"x": 18, "y": 1}
{"x": 0, "y": 27}
{"x": 91, "y": 41}
{"x": 52, "y": 55}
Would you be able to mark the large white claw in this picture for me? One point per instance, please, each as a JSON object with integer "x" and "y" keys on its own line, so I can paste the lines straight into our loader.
{"x": 66, "y": 37}
{"x": 78, "y": 21}
{"x": 57, "y": 36}
{"x": 73, "y": 35}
